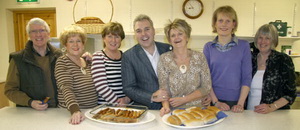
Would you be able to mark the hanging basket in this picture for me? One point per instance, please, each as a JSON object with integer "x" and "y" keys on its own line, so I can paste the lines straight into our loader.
{"x": 91, "y": 25}
{"x": 91, "y": 28}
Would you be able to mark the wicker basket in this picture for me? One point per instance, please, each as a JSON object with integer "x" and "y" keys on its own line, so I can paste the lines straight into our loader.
{"x": 91, "y": 28}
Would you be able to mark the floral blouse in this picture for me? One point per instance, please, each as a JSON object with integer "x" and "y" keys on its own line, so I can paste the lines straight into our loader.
{"x": 279, "y": 78}
{"x": 181, "y": 84}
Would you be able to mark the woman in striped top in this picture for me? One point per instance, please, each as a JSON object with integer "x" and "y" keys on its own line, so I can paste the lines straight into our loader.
{"x": 73, "y": 74}
{"x": 106, "y": 66}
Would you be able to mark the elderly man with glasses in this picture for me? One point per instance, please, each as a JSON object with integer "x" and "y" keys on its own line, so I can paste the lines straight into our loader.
{"x": 30, "y": 77}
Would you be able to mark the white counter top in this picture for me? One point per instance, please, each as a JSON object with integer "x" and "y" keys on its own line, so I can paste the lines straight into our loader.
{"x": 16, "y": 118}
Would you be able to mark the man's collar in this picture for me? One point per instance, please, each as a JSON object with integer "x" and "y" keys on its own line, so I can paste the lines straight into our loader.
{"x": 35, "y": 52}
{"x": 155, "y": 50}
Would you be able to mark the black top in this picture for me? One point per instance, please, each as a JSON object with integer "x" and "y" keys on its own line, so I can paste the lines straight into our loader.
{"x": 278, "y": 79}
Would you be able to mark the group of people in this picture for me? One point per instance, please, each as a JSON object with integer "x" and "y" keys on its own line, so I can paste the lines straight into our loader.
{"x": 157, "y": 75}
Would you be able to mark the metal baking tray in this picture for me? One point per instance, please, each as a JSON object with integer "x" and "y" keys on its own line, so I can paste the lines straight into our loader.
{"x": 143, "y": 109}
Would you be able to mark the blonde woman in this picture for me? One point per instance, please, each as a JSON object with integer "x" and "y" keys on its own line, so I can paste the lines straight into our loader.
{"x": 73, "y": 74}
{"x": 182, "y": 71}
{"x": 273, "y": 86}
{"x": 229, "y": 60}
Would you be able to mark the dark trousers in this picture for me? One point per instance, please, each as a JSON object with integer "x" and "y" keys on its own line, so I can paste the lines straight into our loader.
{"x": 229, "y": 103}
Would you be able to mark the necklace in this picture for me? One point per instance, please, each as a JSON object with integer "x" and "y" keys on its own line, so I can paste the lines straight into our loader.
{"x": 83, "y": 71}
{"x": 182, "y": 68}
{"x": 182, "y": 62}
{"x": 79, "y": 63}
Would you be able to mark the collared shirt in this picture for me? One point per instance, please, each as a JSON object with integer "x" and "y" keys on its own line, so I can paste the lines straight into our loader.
{"x": 230, "y": 70}
{"x": 35, "y": 52}
{"x": 153, "y": 58}
{"x": 226, "y": 47}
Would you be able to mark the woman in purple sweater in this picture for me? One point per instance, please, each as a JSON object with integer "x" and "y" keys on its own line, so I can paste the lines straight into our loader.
{"x": 229, "y": 60}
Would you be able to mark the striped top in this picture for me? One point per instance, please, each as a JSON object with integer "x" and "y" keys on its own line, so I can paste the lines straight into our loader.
{"x": 106, "y": 74}
{"x": 75, "y": 90}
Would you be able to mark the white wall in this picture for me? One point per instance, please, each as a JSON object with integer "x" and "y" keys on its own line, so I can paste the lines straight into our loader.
{"x": 251, "y": 15}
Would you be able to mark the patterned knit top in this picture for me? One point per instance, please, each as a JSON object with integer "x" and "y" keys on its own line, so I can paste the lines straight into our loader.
{"x": 106, "y": 75}
{"x": 197, "y": 76}
{"x": 75, "y": 89}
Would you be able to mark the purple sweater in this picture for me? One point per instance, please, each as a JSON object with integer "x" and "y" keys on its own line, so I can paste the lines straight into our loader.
{"x": 230, "y": 70}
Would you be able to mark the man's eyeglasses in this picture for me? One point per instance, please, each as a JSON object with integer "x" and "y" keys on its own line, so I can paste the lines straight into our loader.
{"x": 38, "y": 31}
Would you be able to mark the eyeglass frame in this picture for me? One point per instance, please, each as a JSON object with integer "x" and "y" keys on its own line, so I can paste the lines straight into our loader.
{"x": 38, "y": 31}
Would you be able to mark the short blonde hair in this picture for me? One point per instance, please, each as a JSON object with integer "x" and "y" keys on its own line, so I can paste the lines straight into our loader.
{"x": 269, "y": 31}
{"x": 179, "y": 24}
{"x": 227, "y": 11}
{"x": 71, "y": 31}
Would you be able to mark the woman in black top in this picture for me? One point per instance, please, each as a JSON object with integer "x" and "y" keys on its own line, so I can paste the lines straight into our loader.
{"x": 273, "y": 85}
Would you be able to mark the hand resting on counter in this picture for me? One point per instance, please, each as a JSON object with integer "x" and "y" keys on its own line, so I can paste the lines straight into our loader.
{"x": 38, "y": 105}
{"x": 76, "y": 118}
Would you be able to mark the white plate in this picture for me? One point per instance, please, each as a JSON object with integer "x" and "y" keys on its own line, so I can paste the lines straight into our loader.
{"x": 165, "y": 117}
{"x": 148, "y": 118}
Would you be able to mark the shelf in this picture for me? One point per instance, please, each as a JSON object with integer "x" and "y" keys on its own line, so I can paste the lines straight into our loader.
{"x": 294, "y": 38}
{"x": 294, "y": 56}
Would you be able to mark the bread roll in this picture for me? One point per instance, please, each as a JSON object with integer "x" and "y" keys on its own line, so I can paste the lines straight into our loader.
{"x": 202, "y": 113}
{"x": 213, "y": 108}
{"x": 189, "y": 116}
{"x": 210, "y": 119}
{"x": 194, "y": 122}
{"x": 182, "y": 118}
{"x": 210, "y": 112}
{"x": 190, "y": 108}
{"x": 173, "y": 119}
{"x": 196, "y": 115}
{"x": 178, "y": 111}
{"x": 193, "y": 108}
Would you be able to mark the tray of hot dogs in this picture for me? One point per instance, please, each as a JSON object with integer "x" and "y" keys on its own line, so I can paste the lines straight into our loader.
{"x": 117, "y": 114}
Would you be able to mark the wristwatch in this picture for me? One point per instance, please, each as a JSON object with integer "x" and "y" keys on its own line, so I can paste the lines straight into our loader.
{"x": 215, "y": 103}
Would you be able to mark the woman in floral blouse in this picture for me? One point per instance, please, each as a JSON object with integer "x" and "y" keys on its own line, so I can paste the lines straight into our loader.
{"x": 273, "y": 85}
{"x": 182, "y": 71}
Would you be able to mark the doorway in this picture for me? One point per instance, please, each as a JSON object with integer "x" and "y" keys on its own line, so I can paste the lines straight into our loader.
{"x": 21, "y": 18}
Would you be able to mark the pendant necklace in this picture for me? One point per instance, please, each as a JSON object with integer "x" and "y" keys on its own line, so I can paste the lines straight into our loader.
{"x": 83, "y": 71}
{"x": 82, "y": 67}
{"x": 182, "y": 68}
